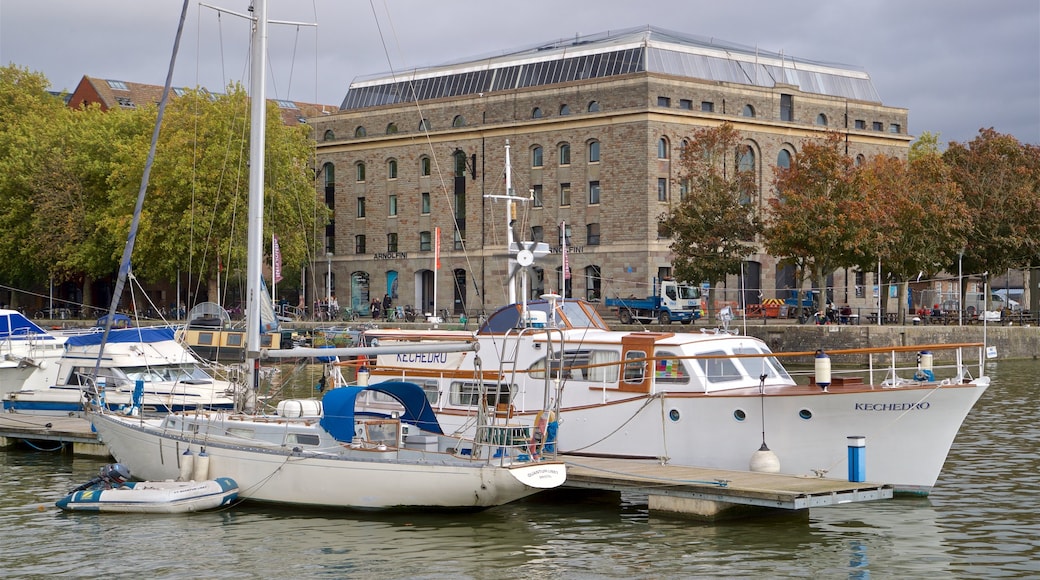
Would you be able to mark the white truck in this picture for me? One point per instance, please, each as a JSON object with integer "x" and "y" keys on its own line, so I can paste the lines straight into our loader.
{"x": 670, "y": 302}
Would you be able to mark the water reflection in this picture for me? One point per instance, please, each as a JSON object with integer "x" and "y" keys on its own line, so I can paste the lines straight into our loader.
{"x": 979, "y": 522}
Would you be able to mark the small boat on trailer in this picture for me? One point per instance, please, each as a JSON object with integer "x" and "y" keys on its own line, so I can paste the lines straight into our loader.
{"x": 112, "y": 491}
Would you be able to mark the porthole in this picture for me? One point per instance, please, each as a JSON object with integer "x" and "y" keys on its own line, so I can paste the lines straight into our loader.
{"x": 739, "y": 415}
{"x": 673, "y": 415}
{"x": 805, "y": 414}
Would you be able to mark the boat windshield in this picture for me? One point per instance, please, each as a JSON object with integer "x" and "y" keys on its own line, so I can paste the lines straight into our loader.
{"x": 766, "y": 365}
{"x": 171, "y": 373}
{"x": 568, "y": 314}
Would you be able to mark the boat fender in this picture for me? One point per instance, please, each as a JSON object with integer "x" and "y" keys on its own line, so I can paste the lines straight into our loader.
{"x": 187, "y": 465}
{"x": 200, "y": 471}
{"x": 823, "y": 369}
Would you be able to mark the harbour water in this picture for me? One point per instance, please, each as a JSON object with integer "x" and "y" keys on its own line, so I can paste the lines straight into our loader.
{"x": 981, "y": 522}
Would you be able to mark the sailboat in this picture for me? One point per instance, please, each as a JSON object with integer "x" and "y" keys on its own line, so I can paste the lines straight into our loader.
{"x": 322, "y": 452}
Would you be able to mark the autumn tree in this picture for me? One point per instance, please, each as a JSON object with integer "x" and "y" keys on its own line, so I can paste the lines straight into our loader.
{"x": 999, "y": 181}
{"x": 918, "y": 220}
{"x": 815, "y": 222}
{"x": 713, "y": 227}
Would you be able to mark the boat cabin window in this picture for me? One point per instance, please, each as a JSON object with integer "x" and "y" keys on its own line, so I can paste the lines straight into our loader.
{"x": 240, "y": 432}
{"x": 234, "y": 339}
{"x": 579, "y": 365}
{"x": 467, "y": 394}
{"x": 635, "y": 370}
{"x": 670, "y": 370}
{"x": 85, "y": 376}
{"x": 205, "y": 338}
{"x": 302, "y": 439}
{"x": 719, "y": 370}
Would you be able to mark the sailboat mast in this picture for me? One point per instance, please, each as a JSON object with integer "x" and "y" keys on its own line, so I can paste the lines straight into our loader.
{"x": 509, "y": 219}
{"x": 255, "y": 229}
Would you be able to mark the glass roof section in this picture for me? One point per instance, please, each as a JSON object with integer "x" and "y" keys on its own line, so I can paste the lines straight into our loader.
{"x": 635, "y": 50}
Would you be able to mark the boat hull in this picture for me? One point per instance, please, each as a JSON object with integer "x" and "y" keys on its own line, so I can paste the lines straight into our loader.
{"x": 154, "y": 497}
{"x": 359, "y": 479}
{"x": 908, "y": 431}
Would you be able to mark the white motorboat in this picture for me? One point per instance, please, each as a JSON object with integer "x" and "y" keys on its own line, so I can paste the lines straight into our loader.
{"x": 165, "y": 375}
{"x": 112, "y": 491}
{"x": 704, "y": 399}
{"x": 323, "y": 454}
{"x": 28, "y": 353}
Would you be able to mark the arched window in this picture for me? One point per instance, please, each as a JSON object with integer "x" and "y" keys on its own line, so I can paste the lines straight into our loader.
{"x": 593, "y": 151}
{"x": 360, "y": 132}
{"x": 860, "y": 160}
{"x": 748, "y": 111}
{"x": 458, "y": 121}
{"x": 662, "y": 148}
{"x": 594, "y": 106}
{"x": 536, "y": 156}
{"x": 783, "y": 159}
{"x": 330, "y": 175}
{"x": 536, "y": 113}
{"x": 565, "y": 154}
{"x": 565, "y": 110}
{"x": 391, "y": 169}
{"x": 391, "y": 129}
{"x": 424, "y": 125}
{"x": 360, "y": 171}
{"x": 329, "y": 135}
{"x": 424, "y": 166}
{"x": 745, "y": 162}
{"x": 821, "y": 120}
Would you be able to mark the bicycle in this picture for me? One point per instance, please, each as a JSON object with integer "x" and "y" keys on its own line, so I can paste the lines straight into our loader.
{"x": 349, "y": 314}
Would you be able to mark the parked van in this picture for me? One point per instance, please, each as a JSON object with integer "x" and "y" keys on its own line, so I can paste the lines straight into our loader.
{"x": 976, "y": 302}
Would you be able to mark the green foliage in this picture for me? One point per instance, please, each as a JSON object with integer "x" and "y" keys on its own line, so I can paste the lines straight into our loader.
{"x": 69, "y": 181}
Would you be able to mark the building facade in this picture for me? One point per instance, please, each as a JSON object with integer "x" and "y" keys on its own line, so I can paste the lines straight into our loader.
{"x": 594, "y": 127}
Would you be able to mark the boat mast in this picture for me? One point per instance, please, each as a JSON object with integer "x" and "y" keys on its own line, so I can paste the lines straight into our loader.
{"x": 255, "y": 226}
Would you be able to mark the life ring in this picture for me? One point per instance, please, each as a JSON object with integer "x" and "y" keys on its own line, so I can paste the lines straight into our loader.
{"x": 541, "y": 428}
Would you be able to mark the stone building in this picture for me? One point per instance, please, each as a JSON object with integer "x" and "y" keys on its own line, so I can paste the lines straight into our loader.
{"x": 594, "y": 125}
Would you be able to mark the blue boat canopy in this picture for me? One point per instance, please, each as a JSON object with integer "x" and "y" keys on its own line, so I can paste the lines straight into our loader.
{"x": 14, "y": 324}
{"x": 338, "y": 408}
{"x": 147, "y": 335}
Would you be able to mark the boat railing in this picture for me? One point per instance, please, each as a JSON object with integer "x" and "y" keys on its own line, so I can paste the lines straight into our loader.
{"x": 514, "y": 442}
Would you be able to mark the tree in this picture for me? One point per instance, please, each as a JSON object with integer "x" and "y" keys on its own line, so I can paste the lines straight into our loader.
{"x": 713, "y": 227}
{"x": 919, "y": 221}
{"x": 816, "y": 222}
{"x": 999, "y": 180}
{"x": 30, "y": 121}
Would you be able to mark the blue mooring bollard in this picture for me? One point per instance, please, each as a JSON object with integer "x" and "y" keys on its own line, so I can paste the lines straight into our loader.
{"x": 857, "y": 458}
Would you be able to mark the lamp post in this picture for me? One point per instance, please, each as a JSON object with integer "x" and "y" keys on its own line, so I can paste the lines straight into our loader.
{"x": 960, "y": 282}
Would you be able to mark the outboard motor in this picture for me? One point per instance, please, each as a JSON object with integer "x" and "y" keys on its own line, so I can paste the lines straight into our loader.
{"x": 111, "y": 475}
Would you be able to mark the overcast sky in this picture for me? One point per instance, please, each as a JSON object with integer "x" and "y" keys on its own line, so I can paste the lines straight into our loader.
{"x": 957, "y": 65}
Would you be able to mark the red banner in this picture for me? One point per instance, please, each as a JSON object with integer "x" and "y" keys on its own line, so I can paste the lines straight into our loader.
{"x": 437, "y": 248}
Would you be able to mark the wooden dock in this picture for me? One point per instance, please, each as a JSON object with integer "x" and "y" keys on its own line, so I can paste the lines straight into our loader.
{"x": 713, "y": 494}
{"x": 696, "y": 492}
{"x": 51, "y": 433}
